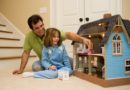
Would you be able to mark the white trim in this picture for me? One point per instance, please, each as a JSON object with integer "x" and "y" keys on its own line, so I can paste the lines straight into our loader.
{"x": 119, "y": 3}
{"x": 53, "y": 15}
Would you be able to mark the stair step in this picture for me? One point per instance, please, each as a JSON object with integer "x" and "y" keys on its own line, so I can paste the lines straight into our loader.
{"x": 15, "y": 57}
{"x": 14, "y": 39}
{"x": 4, "y": 31}
{"x": 10, "y": 43}
{"x": 12, "y": 51}
{"x": 3, "y": 28}
{"x": 3, "y": 25}
{"x": 7, "y": 34}
{"x": 11, "y": 47}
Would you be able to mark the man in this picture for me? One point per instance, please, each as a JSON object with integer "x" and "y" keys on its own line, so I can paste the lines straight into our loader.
{"x": 34, "y": 40}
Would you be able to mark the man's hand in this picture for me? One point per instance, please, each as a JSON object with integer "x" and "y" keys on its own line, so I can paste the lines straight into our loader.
{"x": 75, "y": 37}
{"x": 87, "y": 42}
{"x": 24, "y": 60}
{"x": 17, "y": 72}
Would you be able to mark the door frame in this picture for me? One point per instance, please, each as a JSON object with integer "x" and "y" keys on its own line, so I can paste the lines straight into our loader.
{"x": 53, "y": 11}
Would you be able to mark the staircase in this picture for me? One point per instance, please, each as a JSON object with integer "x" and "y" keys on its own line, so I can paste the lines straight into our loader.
{"x": 11, "y": 40}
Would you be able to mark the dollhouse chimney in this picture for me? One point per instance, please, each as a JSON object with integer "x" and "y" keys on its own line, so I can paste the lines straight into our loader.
{"x": 107, "y": 15}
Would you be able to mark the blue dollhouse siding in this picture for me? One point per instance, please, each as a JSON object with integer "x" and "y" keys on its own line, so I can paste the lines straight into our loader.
{"x": 115, "y": 65}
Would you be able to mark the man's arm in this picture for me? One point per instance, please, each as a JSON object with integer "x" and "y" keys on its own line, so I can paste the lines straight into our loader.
{"x": 24, "y": 61}
{"x": 75, "y": 37}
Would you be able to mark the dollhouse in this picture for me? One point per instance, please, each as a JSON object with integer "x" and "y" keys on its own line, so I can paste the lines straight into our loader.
{"x": 111, "y": 44}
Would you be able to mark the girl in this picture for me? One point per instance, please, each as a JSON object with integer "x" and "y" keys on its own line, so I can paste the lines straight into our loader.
{"x": 55, "y": 57}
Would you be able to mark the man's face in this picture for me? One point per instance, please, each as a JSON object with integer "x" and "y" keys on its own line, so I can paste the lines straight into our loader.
{"x": 39, "y": 29}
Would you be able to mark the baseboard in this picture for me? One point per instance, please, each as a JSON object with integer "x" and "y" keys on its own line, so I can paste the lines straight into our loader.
{"x": 102, "y": 82}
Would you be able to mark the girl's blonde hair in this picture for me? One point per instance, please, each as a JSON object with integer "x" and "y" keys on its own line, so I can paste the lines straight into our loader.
{"x": 50, "y": 33}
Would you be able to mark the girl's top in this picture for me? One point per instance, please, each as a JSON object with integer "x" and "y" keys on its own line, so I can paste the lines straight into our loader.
{"x": 56, "y": 56}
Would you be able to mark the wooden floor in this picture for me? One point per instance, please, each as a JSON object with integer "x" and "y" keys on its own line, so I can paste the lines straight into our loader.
{"x": 99, "y": 81}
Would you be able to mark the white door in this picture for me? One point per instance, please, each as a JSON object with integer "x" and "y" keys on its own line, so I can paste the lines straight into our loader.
{"x": 70, "y": 14}
{"x": 94, "y": 9}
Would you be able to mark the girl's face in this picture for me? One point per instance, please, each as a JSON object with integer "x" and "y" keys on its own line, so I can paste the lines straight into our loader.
{"x": 55, "y": 39}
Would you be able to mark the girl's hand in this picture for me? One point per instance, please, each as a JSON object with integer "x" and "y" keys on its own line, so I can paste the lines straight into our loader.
{"x": 52, "y": 67}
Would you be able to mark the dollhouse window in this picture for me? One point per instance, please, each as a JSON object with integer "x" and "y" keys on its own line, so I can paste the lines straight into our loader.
{"x": 127, "y": 66}
{"x": 116, "y": 44}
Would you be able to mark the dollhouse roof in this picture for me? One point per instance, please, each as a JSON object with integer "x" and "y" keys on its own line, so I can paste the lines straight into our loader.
{"x": 106, "y": 26}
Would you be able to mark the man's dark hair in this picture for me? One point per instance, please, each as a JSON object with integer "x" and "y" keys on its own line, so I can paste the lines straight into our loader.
{"x": 33, "y": 20}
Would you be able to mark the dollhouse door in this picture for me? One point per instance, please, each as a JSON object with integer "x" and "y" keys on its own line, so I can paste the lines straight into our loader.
{"x": 70, "y": 14}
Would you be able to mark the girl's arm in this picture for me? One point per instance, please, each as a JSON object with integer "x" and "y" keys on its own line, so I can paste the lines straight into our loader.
{"x": 45, "y": 58}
